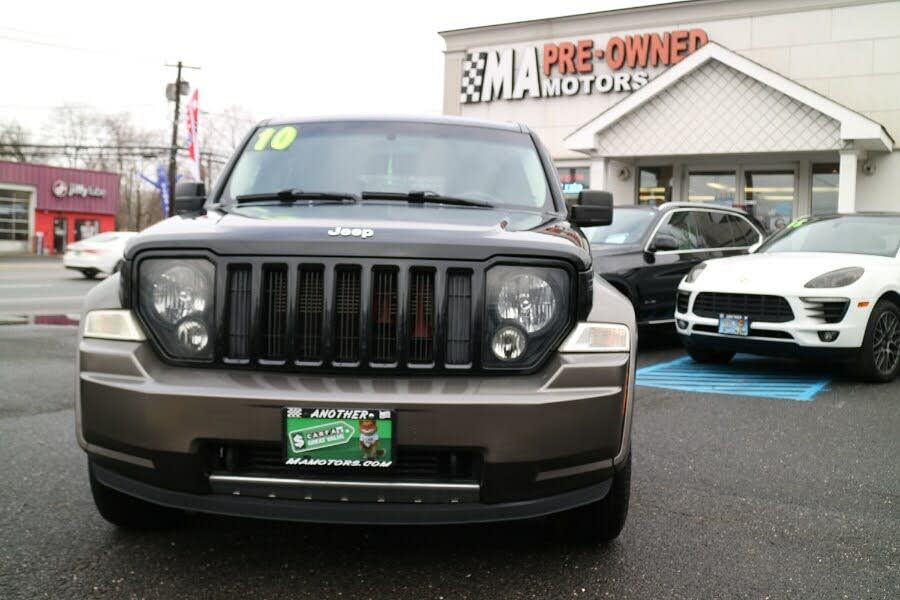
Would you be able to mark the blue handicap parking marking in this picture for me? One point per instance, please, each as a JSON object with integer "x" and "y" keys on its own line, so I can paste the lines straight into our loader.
{"x": 745, "y": 376}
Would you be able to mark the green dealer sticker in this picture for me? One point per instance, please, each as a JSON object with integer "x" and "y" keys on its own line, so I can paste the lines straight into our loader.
{"x": 327, "y": 437}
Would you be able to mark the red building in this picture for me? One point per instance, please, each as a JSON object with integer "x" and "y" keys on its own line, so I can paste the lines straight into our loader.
{"x": 52, "y": 207}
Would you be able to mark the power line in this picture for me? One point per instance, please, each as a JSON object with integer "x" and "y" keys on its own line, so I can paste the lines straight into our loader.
{"x": 111, "y": 52}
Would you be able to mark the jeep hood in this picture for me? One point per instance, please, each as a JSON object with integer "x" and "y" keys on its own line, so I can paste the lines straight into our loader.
{"x": 397, "y": 231}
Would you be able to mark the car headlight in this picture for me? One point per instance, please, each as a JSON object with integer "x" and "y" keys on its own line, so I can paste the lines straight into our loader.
{"x": 837, "y": 278}
{"x": 176, "y": 297}
{"x": 528, "y": 300}
{"x": 694, "y": 273}
{"x": 527, "y": 309}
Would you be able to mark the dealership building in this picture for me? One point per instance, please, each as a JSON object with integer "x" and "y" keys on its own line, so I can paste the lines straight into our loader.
{"x": 44, "y": 208}
{"x": 782, "y": 108}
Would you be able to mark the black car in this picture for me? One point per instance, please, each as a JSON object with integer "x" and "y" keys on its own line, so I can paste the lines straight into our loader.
{"x": 646, "y": 250}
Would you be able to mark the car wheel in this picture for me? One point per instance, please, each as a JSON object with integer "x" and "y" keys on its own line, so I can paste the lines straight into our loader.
{"x": 601, "y": 521}
{"x": 118, "y": 267}
{"x": 879, "y": 356}
{"x": 129, "y": 512}
{"x": 708, "y": 356}
{"x": 89, "y": 273}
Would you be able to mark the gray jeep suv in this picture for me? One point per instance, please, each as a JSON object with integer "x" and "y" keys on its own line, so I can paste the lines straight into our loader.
{"x": 366, "y": 321}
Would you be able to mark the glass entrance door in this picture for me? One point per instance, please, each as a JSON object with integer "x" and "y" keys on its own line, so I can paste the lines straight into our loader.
{"x": 714, "y": 187}
{"x": 768, "y": 192}
{"x": 770, "y": 196}
{"x": 60, "y": 234}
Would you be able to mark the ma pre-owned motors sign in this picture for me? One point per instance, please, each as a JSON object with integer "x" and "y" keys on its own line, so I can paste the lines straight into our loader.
{"x": 568, "y": 68}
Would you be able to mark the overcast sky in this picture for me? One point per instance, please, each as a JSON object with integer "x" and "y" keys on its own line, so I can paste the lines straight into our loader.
{"x": 273, "y": 58}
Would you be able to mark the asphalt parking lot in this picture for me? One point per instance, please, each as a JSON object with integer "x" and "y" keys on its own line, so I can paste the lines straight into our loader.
{"x": 733, "y": 495}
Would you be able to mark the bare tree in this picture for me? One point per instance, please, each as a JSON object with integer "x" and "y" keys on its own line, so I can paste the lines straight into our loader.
{"x": 75, "y": 126}
{"x": 80, "y": 136}
{"x": 220, "y": 135}
{"x": 13, "y": 138}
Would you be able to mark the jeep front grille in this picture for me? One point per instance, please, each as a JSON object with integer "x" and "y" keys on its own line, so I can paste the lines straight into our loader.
{"x": 348, "y": 315}
{"x": 459, "y": 327}
{"x": 239, "y": 311}
{"x": 310, "y": 312}
{"x": 384, "y": 316}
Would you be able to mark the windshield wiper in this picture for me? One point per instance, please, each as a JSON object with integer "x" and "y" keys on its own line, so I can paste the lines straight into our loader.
{"x": 423, "y": 197}
{"x": 293, "y": 195}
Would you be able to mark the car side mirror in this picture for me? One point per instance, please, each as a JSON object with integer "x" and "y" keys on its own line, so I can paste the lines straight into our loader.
{"x": 593, "y": 209}
{"x": 190, "y": 196}
{"x": 664, "y": 243}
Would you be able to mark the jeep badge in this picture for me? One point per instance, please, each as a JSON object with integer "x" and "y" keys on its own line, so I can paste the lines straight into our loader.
{"x": 355, "y": 232}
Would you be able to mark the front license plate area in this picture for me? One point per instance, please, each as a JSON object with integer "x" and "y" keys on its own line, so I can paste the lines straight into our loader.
{"x": 734, "y": 325}
{"x": 338, "y": 437}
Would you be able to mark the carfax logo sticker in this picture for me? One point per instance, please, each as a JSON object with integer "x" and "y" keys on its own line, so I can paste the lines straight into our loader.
{"x": 568, "y": 68}
{"x": 320, "y": 436}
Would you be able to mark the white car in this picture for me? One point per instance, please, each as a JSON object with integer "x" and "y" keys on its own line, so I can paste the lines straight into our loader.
{"x": 823, "y": 287}
{"x": 101, "y": 253}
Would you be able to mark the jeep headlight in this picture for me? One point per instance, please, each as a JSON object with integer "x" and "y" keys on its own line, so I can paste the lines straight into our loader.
{"x": 528, "y": 300}
{"x": 527, "y": 308}
{"x": 176, "y": 297}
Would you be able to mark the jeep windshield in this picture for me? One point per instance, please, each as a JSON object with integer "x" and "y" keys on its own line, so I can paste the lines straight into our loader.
{"x": 384, "y": 161}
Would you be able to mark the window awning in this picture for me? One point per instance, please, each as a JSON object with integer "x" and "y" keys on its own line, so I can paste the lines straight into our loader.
{"x": 716, "y": 101}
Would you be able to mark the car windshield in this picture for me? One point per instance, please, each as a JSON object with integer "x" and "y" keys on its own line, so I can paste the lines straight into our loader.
{"x": 878, "y": 236}
{"x": 627, "y": 227}
{"x": 495, "y": 166}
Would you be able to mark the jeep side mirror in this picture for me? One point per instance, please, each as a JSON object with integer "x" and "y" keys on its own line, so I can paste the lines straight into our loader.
{"x": 594, "y": 208}
{"x": 190, "y": 196}
{"x": 664, "y": 243}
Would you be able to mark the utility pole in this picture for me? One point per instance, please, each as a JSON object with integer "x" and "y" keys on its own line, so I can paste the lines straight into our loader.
{"x": 173, "y": 151}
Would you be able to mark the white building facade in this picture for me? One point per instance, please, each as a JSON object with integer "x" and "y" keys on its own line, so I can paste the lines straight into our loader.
{"x": 782, "y": 108}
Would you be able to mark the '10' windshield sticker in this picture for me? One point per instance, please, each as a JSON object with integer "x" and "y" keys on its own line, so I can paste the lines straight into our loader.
{"x": 276, "y": 139}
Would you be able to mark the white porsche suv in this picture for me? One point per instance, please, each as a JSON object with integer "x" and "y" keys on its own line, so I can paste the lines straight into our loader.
{"x": 824, "y": 287}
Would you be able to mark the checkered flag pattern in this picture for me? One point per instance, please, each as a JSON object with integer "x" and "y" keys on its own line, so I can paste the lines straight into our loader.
{"x": 472, "y": 77}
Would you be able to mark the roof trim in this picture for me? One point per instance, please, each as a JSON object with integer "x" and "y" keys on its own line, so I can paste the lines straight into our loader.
{"x": 869, "y": 134}
{"x": 398, "y": 118}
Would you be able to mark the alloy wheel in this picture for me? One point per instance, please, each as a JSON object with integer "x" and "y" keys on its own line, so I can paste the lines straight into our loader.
{"x": 886, "y": 343}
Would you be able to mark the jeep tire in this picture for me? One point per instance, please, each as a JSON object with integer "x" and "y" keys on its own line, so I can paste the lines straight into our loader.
{"x": 129, "y": 512}
{"x": 602, "y": 521}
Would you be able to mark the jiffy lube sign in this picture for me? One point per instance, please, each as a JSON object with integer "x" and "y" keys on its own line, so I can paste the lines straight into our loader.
{"x": 575, "y": 67}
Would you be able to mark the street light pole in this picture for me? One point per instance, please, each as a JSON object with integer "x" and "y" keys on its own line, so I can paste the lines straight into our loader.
{"x": 173, "y": 150}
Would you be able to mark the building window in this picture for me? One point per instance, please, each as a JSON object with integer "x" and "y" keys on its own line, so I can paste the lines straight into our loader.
{"x": 86, "y": 228}
{"x": 655, "y": 185}
{"x": 573, "y": 180}
{"x": 717, "y": 187}
{"x": 824, "y": 193}
{"x": 770, "y": 197}
{"x": 14, "y": 205}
